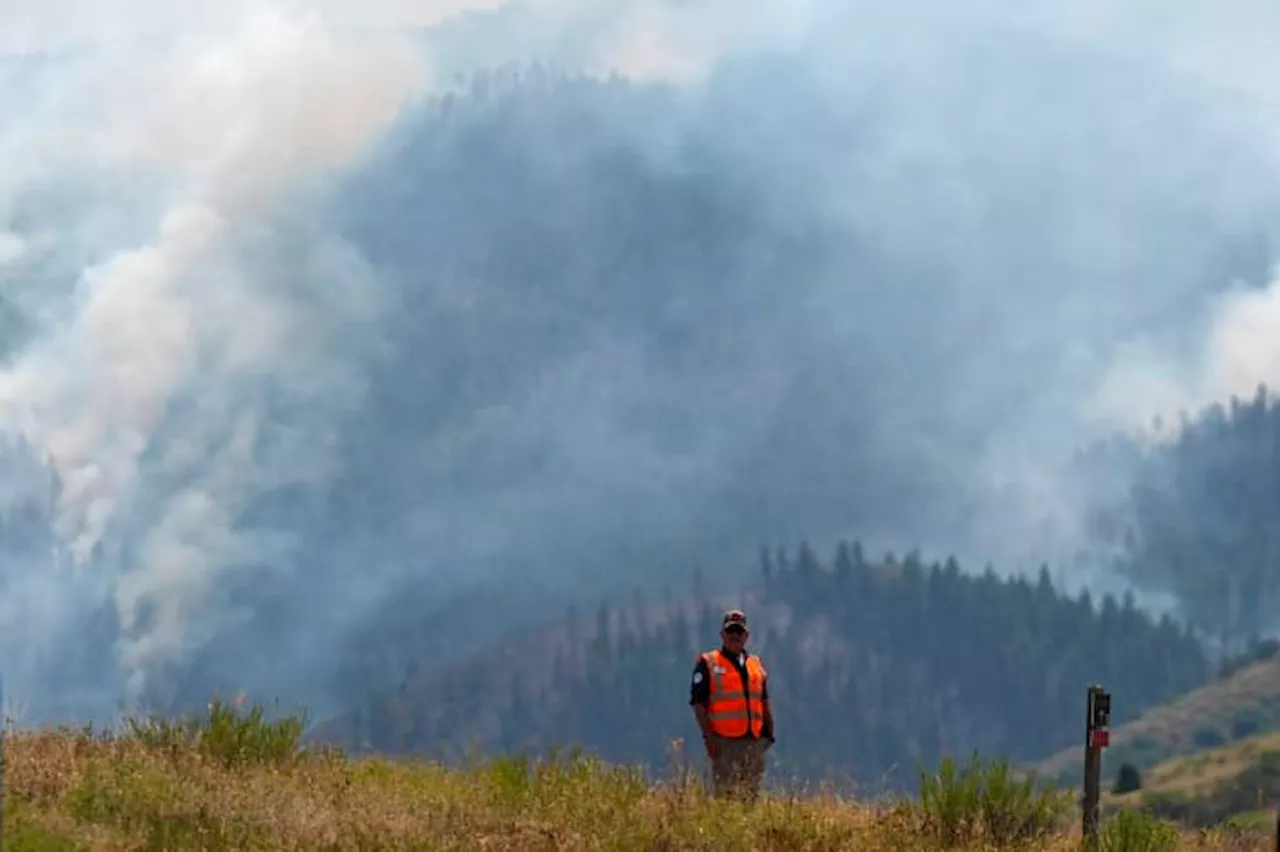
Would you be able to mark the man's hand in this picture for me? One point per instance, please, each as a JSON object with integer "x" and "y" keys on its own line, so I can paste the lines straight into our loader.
{"x": 710, "y": 742}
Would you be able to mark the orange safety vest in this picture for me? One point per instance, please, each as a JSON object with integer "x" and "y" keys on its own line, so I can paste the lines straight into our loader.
{"x": 733, "y": 712}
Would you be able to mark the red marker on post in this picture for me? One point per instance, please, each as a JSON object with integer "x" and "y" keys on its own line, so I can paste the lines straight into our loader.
{"x": 1097, "y": 736}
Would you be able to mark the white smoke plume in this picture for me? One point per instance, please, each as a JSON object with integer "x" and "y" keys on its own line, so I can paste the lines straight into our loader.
{"x": 1236, "y": 350}
{"x": 209, "y": 342}
{"x": 1244, "y": 343}
{"x": 209, "y": 133}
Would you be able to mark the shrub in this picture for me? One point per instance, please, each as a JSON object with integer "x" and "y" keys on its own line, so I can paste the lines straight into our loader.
{"x": 1246, "y": 722}
{"x": 961, "y": 805}
{"x": 1128, "y": 779}
{"x": 225, "y": 734}
{"x": 1207, "y": 737}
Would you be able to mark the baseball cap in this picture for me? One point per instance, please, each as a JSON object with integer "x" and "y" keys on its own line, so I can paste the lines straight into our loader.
{"x": 734, "y": 616}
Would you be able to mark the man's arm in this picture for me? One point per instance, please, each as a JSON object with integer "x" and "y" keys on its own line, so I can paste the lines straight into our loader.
{"x": 767, "y": 727}
{"x": 700, "y": 697}
{"x": 700, "y": 713}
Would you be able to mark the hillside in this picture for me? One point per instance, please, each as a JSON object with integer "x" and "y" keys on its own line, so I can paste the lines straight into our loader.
{"x": 868, "y": 678}
{"x": 237, "y": 781}
{"x": 1238, "y": 782}
{"x": 432, "y": 693}
{"x": 1241, "y": 704}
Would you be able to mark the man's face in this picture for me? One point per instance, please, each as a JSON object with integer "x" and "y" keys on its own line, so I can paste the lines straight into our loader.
{"x": 735, "y": 637}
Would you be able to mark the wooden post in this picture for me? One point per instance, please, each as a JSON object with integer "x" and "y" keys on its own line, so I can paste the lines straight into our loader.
{"x": 1092, "y": 792}
{"x": 1096, "y": 738}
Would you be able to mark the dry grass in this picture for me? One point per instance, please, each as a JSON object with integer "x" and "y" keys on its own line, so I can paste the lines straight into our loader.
{"x": 236, "y": 784}
{"x": 1198, "y": 773}
{"x": 1237, "y": 783}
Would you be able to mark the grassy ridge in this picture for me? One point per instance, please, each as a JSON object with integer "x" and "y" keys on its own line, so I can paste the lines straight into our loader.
{"x": 1235, "y": 783}
{"x": 1243, "y": 704}
{"x": 237, "y": 780}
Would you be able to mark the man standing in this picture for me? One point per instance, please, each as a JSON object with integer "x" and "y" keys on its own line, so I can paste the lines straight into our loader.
{"x": 730, "y": 700}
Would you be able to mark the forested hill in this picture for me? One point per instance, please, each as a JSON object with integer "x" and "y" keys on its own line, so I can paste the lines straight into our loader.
{"x": 1198, "y": 515}
{"x": 873, "y": 667}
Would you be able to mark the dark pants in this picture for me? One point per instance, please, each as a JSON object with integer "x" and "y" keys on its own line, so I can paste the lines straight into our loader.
{"x": 738, "y": 767}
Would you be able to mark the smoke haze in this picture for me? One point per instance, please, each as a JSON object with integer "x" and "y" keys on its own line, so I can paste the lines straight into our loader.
{"x": 322, "y": 335}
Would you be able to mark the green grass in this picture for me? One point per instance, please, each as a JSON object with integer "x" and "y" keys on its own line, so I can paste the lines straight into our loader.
{"x": 1136, "y": 831}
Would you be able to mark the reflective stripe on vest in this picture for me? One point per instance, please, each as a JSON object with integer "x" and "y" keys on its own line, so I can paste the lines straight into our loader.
{"x": 733, "y": 712}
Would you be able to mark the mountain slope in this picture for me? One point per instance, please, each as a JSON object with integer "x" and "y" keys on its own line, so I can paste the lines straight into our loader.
{"x": 1242, "y": 703}
{"x": 1237, "y": 782}
{"x": 875, "y": 667}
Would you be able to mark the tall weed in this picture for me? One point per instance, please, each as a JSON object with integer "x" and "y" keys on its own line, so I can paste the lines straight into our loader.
{"x": 226, "y": 734}
{"x": 960, "y": 805}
